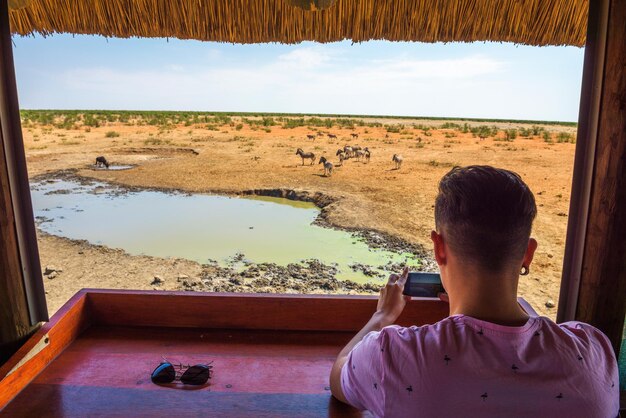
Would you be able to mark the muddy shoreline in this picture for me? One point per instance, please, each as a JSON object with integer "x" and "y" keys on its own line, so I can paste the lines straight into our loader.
{"x": 78, "y": 263}
{"x": 373, "y": 238}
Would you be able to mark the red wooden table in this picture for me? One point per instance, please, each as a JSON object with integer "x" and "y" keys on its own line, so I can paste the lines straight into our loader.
{"x": 271, "y": 354}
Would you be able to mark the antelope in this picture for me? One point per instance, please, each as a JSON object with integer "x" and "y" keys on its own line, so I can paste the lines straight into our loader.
{"x": 356, "y": 148}
{"x": 358, "y": 154}
{"x": 348, "y": 151}
{"x": 328, "y": 166}
{"x": 368, "y": 154}
{"x": 397, "y": 158}
{"x": 306, "y": 155}
{"x": 332, "y": 136}
{"x": 320, "y": 133}
{"x": 311, "y": 137}
{"x": 342, "y": 156}
{"x": 354, "y": 135}
{"x": 101, "y": 161}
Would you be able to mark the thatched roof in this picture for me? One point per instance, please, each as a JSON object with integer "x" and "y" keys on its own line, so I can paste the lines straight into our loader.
{"x": 531, "y": 22}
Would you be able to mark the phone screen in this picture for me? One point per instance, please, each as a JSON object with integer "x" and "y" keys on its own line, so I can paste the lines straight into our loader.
{"x": 423, "y": 285}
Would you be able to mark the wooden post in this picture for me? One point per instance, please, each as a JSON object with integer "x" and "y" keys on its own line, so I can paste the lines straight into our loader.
{"x": 22, "y": 298}
{"x": 601, "y": 294}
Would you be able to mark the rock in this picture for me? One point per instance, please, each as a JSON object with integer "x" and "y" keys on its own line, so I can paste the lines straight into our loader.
{"x": 550, "y": 304}
{"x": 236, "y": 281}
{"x": 157, "y": 281}
{"x": 52, "y": 275}
{"x": 51, "y": 269}
{"x": 182, "y": 277}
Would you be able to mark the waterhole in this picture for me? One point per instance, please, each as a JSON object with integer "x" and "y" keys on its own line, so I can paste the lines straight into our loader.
{"x": 205, "y": 228}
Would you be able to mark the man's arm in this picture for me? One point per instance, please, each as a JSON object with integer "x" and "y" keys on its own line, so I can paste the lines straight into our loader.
{"x": 391, "y": 302}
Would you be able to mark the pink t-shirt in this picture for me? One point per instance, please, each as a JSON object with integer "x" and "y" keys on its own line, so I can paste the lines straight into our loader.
{"x": 465, "y": 367}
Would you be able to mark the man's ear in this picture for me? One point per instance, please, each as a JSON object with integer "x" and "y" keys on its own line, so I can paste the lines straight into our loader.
{"x": 530, "y": 252}
{"x": 439, "y": 248}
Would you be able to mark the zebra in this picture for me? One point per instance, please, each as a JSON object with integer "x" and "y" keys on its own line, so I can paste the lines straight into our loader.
{"x": 328, "y": 166}
{"x": 397, "y": 158}
{"x": 306, "y": 155}
{"x": 342, "y": 156}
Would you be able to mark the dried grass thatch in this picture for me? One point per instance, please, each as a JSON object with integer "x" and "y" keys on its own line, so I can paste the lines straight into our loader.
{"x": 531, "y": 22}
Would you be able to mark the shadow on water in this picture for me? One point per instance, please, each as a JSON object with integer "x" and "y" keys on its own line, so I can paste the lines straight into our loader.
{"x": 204, "y": 227}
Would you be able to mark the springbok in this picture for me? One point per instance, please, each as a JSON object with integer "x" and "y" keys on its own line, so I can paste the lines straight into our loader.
{"x": 306, "y": 155}
{"x": 332, "y": 136}
{"x": 397, "y": 158}
{"x": 358, "y": 154}
{"x": 101, "y": 161}
{"x": 348, "y": 151}
{"x": 311, "y": 137}
{"x": 320, "y": 133}
{"x": 328, "y": 166}
{"x": 354, "y": 135}
{"x": 368, "y": 154}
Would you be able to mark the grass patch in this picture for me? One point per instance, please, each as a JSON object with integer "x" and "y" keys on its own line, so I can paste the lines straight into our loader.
{"x": 111, "y": 134}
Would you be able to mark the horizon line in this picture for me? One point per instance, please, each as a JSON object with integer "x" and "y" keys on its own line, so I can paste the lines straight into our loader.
{"x": 336, "y": 115}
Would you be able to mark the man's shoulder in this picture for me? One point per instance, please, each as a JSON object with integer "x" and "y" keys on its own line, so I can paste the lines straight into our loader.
{"x": 584, "y": 334}
{"x": 397, "y": 332}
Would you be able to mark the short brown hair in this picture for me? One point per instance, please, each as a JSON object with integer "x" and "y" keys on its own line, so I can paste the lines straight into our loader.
{"x": 486, "y": 215}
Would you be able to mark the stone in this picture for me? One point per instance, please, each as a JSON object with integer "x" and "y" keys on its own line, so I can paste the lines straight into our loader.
{"x": 52, "y": 275}
{"x": 550, "y": 304}
{"x": 157, "y": 281}
{"x": 182, "y": 277}
{"x": 51, "y": 269}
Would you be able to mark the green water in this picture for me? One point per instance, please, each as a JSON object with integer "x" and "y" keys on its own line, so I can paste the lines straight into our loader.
{"x": 202, "y": 227}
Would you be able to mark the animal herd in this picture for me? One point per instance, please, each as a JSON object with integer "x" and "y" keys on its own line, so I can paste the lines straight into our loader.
{"x": 347, "y": 152}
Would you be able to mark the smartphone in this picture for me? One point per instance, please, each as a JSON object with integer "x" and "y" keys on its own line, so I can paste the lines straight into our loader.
{"x": 423, "y": 285}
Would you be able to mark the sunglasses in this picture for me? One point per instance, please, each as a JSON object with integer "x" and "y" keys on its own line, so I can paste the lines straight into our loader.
{"x": 167, "y": 372}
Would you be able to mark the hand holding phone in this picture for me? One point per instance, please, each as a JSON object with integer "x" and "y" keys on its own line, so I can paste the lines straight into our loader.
{"x": 424, "y": 285}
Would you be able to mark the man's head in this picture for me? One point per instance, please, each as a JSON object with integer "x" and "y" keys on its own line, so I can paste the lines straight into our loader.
{"x": 484, "y": 215}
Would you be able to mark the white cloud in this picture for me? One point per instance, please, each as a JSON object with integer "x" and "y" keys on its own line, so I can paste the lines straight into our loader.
{"x": 303, "y": 59}
{"x": 310, "y": 79}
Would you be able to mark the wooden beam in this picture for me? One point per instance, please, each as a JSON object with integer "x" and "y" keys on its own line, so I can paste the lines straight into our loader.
{"x": 22, "y": 298}
{"x": 140, "y": 308}
{"x": 588, "y": 117}
{"x": 602, "y": 294}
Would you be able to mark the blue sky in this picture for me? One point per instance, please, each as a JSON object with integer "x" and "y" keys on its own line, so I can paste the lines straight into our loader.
{"x": 484, "y": 80}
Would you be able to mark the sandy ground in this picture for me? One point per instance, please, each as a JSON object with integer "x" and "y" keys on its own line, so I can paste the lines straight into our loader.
{"x": 370, "y": 196}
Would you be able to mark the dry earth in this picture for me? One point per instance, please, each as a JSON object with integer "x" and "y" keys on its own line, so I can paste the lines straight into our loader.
{"x": 368, "y": 196}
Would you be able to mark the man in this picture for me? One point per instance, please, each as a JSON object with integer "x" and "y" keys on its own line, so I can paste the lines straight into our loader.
{"x": 492, "y": 357}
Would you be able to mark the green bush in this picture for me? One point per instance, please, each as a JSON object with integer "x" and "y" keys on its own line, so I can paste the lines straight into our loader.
{"x": 564, "y": 137}
{"x": 111, "y": 134}
{"x": 547, "y": 137}
{"x": 510, "y": 134}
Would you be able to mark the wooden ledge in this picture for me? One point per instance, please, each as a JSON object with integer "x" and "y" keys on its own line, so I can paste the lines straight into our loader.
{"x": 248, "y": 335}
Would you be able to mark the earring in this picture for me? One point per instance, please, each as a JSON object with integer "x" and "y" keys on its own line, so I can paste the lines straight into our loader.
{"x": 525, "y": 271}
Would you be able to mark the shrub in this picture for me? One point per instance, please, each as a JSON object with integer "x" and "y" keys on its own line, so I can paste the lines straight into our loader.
{"x": 111, "y": 134}
{"x": 239, "y": 126}
{"x": 564, "y": 137}
{"x": 547, "y": 137}
{"x": 510, "y": 134}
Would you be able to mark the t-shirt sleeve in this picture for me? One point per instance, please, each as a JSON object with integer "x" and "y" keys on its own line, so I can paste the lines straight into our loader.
{"x": 363, "y": 373}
